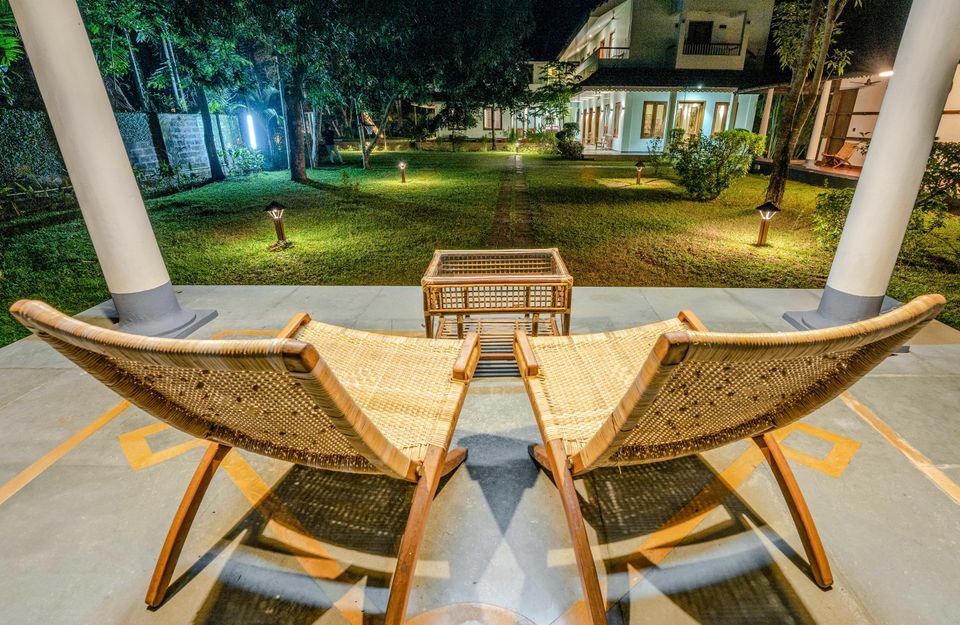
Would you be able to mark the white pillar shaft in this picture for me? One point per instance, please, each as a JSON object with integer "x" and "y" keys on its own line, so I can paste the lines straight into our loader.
{"x": 734, "y": 110}
{"x": 56, "y": 43}
{"x": 767, "y": 106}
{"x": 911, "y": 111}
{"x": 817, "y": 131}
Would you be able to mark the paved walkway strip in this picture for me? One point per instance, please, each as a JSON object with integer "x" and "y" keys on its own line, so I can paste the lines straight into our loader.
{"x": 513, "y": 224}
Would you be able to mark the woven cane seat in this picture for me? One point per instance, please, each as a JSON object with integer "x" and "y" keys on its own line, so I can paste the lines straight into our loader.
{"x": 583, "y": 376}
{"x": 402, "y": 384}
{"x": 663, "y": 390}
{"x": 328, "y": 397}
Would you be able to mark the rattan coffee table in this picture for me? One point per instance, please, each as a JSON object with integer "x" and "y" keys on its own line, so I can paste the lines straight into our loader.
{"x": 494, "y": 293}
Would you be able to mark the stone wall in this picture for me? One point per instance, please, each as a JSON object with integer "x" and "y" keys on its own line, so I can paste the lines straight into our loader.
{"x": 29, "y": 147}
{"x": 138, "y": 139}
{"x": 183, "y": 137}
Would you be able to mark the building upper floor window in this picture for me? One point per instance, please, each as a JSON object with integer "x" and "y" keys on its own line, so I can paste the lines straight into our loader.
{"x": 654, "y": 116}
{"x": 492, "y": 119}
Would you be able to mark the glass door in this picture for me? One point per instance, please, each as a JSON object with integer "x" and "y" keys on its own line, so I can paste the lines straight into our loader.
{"x": 689, "y": 118}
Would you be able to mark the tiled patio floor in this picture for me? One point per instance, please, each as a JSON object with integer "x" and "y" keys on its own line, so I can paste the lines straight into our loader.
{"x": 88, "y": 488}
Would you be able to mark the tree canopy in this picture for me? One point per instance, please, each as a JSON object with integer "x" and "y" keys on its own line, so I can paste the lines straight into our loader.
{"x": 358, "y": 57}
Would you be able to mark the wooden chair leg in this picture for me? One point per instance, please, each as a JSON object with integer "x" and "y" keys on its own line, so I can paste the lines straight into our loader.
{"x": 563, "y": 478}
{"x": 539, "y": 456}
{"x": 809, "y": 536}
{"x": 455, "y": 457}
{"x": 182, "y": 521}
{"x": 433, "y": 466}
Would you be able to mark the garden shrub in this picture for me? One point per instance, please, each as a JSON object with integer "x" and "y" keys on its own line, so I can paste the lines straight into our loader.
{"x": 245, "y": 161}
{"x": 706, "y": 166}
{"x": 28, "y": 194}
{"x": 570, "y": 149}
{"x": 941, "y": 180}
{"x": 829, "y": 215}
{"x": 569, "y": 132}
{"x": 832, "y": 208}
{"x": 539, "y": 142}
{"x": 657, "y": 157}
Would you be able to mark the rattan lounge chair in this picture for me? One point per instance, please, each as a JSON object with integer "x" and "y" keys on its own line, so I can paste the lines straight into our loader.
{"x": 672, "y": 389}
{"x": 841, "y": 157}
{"x": 317, "y": 395}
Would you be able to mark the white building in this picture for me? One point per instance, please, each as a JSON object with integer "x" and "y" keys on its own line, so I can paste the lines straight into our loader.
{"x": 847, "y": 114}
{"x": 650, "y": 65}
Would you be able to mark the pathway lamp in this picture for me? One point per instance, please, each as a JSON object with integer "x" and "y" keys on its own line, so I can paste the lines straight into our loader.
{"x": 767, "y": 211}
{"x": 275, "y": 210}
{"x": 639, "y": 166}
{"x": 403, "y": 171}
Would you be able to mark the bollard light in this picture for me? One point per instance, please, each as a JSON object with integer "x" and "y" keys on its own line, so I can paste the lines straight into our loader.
{"x": 767, "y": 211}
{"x": 639, "y": 166}
{"x": 275, "y": 210}
{"x": 403, "y": 171}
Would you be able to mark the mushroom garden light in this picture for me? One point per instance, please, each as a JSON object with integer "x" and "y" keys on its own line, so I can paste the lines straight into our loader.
{"x": 639, "y": 166}
{"x": 403, "y": 171}
{"x": 275, "y": 210}
{"x": 768, "y": 211}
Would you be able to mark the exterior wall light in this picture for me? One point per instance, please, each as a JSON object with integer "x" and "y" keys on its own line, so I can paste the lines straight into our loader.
{"x": 886, "y": 73}
{"x": 275, "y": 210}
{"x": 639, "y": 166}
{"x": 251, "y": 133}
{"x": 403, "y": 171}
{"x": 767, "y": 211}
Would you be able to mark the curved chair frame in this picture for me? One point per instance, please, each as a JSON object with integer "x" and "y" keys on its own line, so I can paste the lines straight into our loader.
{"x": 109, "y": 356}
{"x": 850, "y": 351}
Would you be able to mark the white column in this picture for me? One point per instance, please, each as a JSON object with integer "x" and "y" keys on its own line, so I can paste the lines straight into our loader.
{"x": 765, "y": 117}
{"x": 62, "y": 60}
{"x": 817, "y": 131}
{"x": 882, "y": 204}
{"x": 734, "y": 110}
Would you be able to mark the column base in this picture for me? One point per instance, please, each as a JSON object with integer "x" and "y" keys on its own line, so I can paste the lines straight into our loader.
{"x": 838, "y": 308}
{"x": 156, "y": 312}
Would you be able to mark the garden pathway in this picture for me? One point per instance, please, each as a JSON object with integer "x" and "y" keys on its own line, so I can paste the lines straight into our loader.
{"x": 513, "y": 221}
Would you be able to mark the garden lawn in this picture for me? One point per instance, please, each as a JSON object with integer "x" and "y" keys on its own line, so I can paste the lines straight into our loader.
{"x": 614, "y": 232}
{"x": 349, "y": 227}
{"x": 366, "y": 228}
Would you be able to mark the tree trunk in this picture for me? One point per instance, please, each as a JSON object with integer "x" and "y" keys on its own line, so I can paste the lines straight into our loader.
{"x": 834, "y": 7}
{"x": 223, "y": 142}
{"x": 138, "y": 75}
{"x": 787, "y": 131}
{"x": 380, "y": 125}
{"x": 172, "y": 68}
{"x": 216, "y": 170}
{"x": 295, "y": 129}
{"x": 360, "y": 136}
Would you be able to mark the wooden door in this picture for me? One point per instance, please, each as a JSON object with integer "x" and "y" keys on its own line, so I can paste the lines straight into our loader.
{"x": 841, "y": 110}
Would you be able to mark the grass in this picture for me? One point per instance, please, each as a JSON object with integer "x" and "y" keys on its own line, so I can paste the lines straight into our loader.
{"x": 364, "y": 227}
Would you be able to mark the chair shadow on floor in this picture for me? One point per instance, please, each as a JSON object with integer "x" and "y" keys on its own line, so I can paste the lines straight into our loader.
{"x": 732, "y": 580}
{"x": 261, "y": 582}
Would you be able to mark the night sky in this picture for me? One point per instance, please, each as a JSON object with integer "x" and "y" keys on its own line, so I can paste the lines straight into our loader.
{"x": 872, "y": 30}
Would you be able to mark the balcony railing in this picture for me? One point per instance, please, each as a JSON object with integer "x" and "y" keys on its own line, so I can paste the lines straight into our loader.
{"x": 589, "y": 64}
{"x": 712, "y": 49}
{"x": 613, "y": 53}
